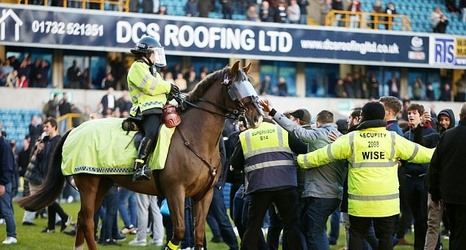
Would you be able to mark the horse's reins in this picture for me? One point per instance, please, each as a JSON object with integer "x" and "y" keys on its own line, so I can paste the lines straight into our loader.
{"x": 232, "y": 114}
{"x": 229, "y": 113}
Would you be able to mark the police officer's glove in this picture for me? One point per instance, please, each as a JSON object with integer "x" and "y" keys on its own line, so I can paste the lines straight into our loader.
{"x": 174, "y": 90}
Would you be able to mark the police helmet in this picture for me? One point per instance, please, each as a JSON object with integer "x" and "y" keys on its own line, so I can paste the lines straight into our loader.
{"x": 148, "y": 45}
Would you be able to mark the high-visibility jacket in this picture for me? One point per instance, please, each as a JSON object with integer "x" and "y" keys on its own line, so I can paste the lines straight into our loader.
{"x": 146, "y": 91}
{"x": 268, "y": 159}
{"x": 372, "y": 153}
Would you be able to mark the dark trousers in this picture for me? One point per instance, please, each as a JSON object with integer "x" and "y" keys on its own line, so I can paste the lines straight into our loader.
{"x": 52, "y": 210}
{"x": 286, "y": 201}
{"x": 405, "y": 220}
{"x": 240, "y": 216}
{"x": 457, "y": 217}
{"x": 275, "y": 228}
{"x": 334, "y": 233}
{"x": 150, "y": 125}
{"x": 359, "y": 228}
{"x": 417, "y": 197}
{"x": 218, "y": 212}
{"x": 110, "y": 203}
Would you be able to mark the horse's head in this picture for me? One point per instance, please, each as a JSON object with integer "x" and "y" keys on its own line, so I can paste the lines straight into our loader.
{"x": 243, "y": 95}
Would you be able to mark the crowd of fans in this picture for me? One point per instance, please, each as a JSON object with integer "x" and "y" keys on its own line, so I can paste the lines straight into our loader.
{"x": 25, "y": 73}
{"x": 285, "y": 11}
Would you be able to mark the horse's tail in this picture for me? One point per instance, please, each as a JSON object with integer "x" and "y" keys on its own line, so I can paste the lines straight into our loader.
{"x": 52, "y": 186}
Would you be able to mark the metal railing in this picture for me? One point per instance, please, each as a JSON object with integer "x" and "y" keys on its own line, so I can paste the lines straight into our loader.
{"x": 66, "y": 122}
{"x": 367, "y": 20}
{"x": 116, "y": 5}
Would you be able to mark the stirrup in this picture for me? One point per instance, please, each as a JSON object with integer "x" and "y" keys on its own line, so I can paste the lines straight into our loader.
{"x": 140, "y": 174}
{"x": 141, "y": 171}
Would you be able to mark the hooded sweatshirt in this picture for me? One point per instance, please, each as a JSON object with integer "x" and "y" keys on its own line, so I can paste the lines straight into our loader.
{"x": 431, "y": 140}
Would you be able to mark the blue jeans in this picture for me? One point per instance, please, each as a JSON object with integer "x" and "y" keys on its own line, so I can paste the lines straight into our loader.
{"x": 219, "y": 212}
{"x": 303, "y": 19}
{"x": 6, "y": 207}
{"x": 213, "y": 224}
{"x": 334, "y": 227}
{"x": 127, "y": 207}
{"x": 188, "y": 240}
{"x": 111, "y": 207}
{"x": 238, "y": 215}
{"x": 314, "y": 218}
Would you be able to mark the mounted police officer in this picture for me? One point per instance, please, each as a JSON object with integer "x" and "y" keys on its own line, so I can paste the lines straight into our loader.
{"x": 148, "y": 91}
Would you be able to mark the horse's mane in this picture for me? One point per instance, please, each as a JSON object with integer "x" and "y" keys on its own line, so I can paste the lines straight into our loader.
{"x": 201, "y": 88}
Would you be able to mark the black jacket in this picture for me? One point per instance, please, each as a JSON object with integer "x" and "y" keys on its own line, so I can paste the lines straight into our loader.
{"x": 6, "y": 162}
{"x": 447, "y": 173}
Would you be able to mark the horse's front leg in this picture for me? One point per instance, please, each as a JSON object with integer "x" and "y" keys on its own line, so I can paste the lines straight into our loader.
{"x": 201, "y": 209}
{"x": 176, "y": 202}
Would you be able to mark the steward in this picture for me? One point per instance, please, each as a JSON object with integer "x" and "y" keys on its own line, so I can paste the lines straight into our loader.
{"x": 372, "y": 153}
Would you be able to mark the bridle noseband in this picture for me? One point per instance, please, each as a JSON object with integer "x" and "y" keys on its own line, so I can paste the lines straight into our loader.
{"x": 229, "y": 113}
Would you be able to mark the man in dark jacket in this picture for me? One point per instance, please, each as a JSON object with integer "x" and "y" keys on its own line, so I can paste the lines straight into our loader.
{"x": 446, "y": 120}
{"x": 46, "y": 148}
{"x": 266, "y": 154}
{"x": 6, "y": 178}
{"x": 217, "y": 215}
{"x": 446, "y": 179}
{"x": 415, "y": 177}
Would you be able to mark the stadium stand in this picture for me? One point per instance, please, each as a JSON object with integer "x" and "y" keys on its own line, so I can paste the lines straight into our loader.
{"x": 16, "y": 122}
{"x": 420, "y": 12}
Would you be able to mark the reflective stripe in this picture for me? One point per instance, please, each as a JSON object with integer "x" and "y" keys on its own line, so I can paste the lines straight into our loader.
{"x": 247, "y": 137}
{"x": 306, "y": 163}
{"x": 267, "y": 150}
{"x": 373, "y": 197}
{"x": 388, "y": 164}
{"x": 329, "y": 153}
{"x": 142, "y": 84}
{"x": 392, "y": 154}
{"x": 151, "y": 90}
{"x": 268, "y": 164}
{"x": 138, "y": 95}
{"x": 351, "y": 142}
{"x": 152, "y": 103}
{"x": 416, "y": 149}
{"x": 280, "y": 138}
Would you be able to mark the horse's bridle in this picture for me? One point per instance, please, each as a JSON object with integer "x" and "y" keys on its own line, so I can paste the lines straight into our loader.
{"x": 237, "y": 91}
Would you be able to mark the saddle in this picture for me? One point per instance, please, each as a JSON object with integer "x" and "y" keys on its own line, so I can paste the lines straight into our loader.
{"x": 170, "y": 117}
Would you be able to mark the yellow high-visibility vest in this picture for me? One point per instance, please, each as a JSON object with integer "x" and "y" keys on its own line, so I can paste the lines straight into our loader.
{"x": 146, "y": 91}
{"x": 372, "y": 153}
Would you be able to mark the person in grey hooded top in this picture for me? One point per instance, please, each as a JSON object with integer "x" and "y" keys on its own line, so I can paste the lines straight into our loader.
{"x": 323, "y": 187}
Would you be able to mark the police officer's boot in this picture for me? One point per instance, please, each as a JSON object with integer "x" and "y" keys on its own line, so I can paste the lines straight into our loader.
{"x": 140, "y": 166}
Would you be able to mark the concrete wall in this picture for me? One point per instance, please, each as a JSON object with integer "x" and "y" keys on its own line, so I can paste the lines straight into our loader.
{"x": 36, "y": 99}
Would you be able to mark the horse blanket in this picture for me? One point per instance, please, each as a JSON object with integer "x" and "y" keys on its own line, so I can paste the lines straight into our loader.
{"x": 101, "y": 146}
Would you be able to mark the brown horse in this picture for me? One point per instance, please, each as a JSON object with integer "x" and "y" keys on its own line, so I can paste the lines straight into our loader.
{"x": 192, "y": 164}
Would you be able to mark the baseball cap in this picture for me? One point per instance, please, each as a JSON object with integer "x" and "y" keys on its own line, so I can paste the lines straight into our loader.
{"x": 303, "y": 115}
